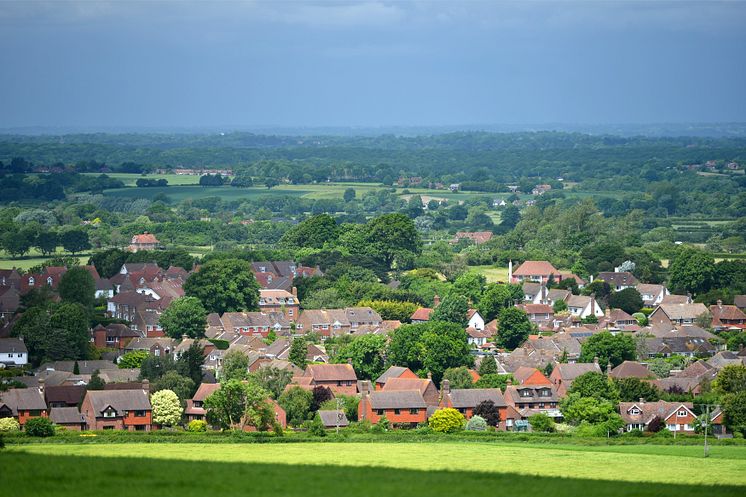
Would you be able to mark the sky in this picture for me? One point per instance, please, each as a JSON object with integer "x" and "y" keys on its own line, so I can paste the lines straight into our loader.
{"x": 370, "y": 63}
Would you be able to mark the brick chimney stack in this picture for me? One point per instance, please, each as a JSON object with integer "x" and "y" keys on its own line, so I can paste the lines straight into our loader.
{"x": 146, "y": 385}
{"x": 445, "y": 387}
{"x": 436, "y": 301}
{"x": 41, "y": 385}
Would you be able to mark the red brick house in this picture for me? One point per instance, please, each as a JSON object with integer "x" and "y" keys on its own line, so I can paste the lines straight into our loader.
{"x": 675, "y": 416}
{"x": 23, "y": 404}
{"x": 402, "y": 407}
{"x": 115, "y": 336}
{"x": 280, "y": 301}
{"x": 727, "y": 317}
{"x": 425, "y": 386}
{"x": 146, "y": 241}
{"x": 563, "y": 375}
{"x": 340, "y": 378}
{"x": 118, "y": 409}
{"x": 394, "y": 372}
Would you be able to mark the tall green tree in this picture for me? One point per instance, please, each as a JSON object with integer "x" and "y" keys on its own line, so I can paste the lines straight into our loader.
{"x": 497, "y": 297}
{"x": 190, "y": 363}
{"x": 629, "y": 300}
{"x": 273, "y": 380}
{"x": 235, "y": 366}
{"x": 77, "y": 286}
{"x": 367, "y": 353}
{"x": 297, "y": 404}
{"x": 314, "y": 232}
{"x": 298, "y": 352}
{"x": 692, "y": 271}
{"x": 237, "y": 405}
{"x": 453, "y": 309}
{"x": 513, "y": 328}
{"x": 75, "y": 240}
{"x": 224, "y": 285}
{"x": 391, "y": 237}
{"x": 459, "y": 377}
{"x": 185, "y": 316}
{"x": 609, "y": 348}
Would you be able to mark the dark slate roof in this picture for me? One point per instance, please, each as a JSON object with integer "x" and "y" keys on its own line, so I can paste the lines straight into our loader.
{"x": 391, "y": 372}
{"x": 400, "y": 399}
{"x": 66, "y": 416}
{"x": 120, "y": 400}
{"x": 331, "y": 418}
{"x": 471, "y": 397}
{"x": 14, "y": 345}
{"x": 69, "y": 394}
{"x": 23, "y": 399}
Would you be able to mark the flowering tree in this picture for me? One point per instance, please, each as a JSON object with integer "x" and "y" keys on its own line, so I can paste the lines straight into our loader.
{"x": 167, "y": 408}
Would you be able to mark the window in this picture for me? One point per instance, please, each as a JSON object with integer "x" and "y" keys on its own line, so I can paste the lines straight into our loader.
{"x": 31, "y": 281}
{"x": 139, "y": 427}
{"x": 634, "y": 411}
{"x": 379, "y": 412}
{"x": 108, "y": 427}
{"x": 140, "y": 414}
{"x": 110, "y": 413}
{"x": 290, "y": 312}
{"x": 414, "y": 411}
{"x": 49, "y": 281}
{"x": 397, "y": 411}
{"x": 682, "y": 412}
{"x": 525, "y": 393}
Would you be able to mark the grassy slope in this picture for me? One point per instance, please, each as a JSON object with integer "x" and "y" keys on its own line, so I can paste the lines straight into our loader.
{"x": 373, "y": 469}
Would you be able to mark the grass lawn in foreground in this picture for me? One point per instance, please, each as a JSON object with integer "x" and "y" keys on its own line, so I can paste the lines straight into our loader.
{"x": 371, "y": 469}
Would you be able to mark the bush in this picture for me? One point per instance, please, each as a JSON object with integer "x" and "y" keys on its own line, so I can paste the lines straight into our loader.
{"x": 664, "y": 433}
{"x": 476, "y": 423}
{"x": 316, "y": 427}
{"x": 382, "y": 425}
{"x": 197, "y": 426}
{"x": 447, "y": 421}
{"x": 39, "y": 427}
{"x": 9, "y": 424}
{"x": 541, "y": 422}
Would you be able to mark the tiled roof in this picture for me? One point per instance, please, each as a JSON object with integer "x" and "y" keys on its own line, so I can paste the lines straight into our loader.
{"x": 618, "y": 279}
{"x": 331, "y": 372}
{"x": 471, "y": 397}
{"x": 631, "y": 369}
{"x": 120, "y": 400}
{"x": 23, "y": 399}
{"x": 421, "y": 314}
{"x": 66, "y": 416}
{"x": 399, "y": 399}
{"x": 535, "y": 268}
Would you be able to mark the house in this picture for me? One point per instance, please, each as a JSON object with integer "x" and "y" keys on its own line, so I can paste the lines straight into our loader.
{"x": 676, "y": 314}
{"x": 477, "y": 338}
{"x": 401, "y": 407}
{"x": 340, "y": 378}
{"x": 475, "y": 319}
{"x": 253, "y": 323}
{"x": 652, "y": 295}
{"x": 335, "y": 322}
{"x": 421, "y": 315}
{"x": 114, "y": 336}
{"x": 280, "y": 301}
{"x": 477, "y": 237}
{"x": 156, "y": 346}
{"x": 540, "y": 189}
{"x": 725, "y": 317}
{"x": 677, "y": 345}
{"x": 23, "y": 403}
{"x": 618, "y": 281}
{"x": 466, "y": 400}
{"x": 118, "y": 409}
{"x": 536, "y": 397}
{"x": 68, "y": 418}
{"x": 675, "y": 416}
{"x": 10, "y": 278}
{"x": 740, "y": 301}
{"x": 13, "y": 352}
{"x": 630, "y": 369}
{"x": 195, "y": 409}
{"x": 583, "y": 306}
{"x": 563, "y": 374}
{"x": 394, "y": 372}
{"x": 425, "y": 386}
{"x": 10, "y": 300}
{"x": 145, "y": 241}
{"x": 534, "y": 293}
{"x": 64, "y": 395}
{"x": 617, "y": 318}
{"x": 533, "y": 271}
{"x": 530, "y": 376}
{"x": 726, "y": 358}
{"x": 539, "y": 314}
{"x": 333, "y": 419}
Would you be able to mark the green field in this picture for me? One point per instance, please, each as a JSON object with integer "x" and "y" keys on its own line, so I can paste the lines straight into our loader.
{"x": 492, "y": 273}
{"x": 371, "y": 469}
{"x": 34, "y": 258}
{"x": 129, "y": 179}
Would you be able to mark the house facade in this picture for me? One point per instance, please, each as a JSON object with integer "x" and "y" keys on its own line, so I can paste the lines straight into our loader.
{"x": 118, "y": 409}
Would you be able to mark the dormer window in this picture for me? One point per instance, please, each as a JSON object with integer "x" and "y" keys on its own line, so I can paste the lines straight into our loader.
{"x": 31, "y": 281}
{"x": 682, "y": 412}
{"x": 49, "y": 280}
{"x": 525, "y": 393}
{"x": 110, "y": 413}
{"x": 634, "y": 411}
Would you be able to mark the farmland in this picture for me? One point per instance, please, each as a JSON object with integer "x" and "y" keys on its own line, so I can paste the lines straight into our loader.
{"x": 371, "y": 469}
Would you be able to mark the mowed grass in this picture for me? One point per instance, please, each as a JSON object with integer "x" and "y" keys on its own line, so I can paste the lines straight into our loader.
{"x": 34, "y": 258}
{"x": 492, "y": 273}
{"x": 129, "y": 179}
{"x": 370, "y": 469}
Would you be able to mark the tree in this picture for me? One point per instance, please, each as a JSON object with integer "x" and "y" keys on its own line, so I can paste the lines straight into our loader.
{"x": 541, "y": 422}
{"x": 190, "y": 363}
{"x": 224, "y": 285}
{"x": 476, "y": 423}
{"x": 559, "y": 306}
{"x": 272, "y": 379}
{"x": 577, "y": 409}
{"x": 184, "y": 317}
{"x": 513, "y": 328}
{"x": 314, "y": 232}
{"x": 298, "y": 352}
{"x": 608, "y": 348}
{"x": 391, "y": 309}
{"x": 235, "y": 366}
{"x": 487, "y": 366}
{"x": 471, "y": 285}
{"x": 734, "y": 409}
{"x": 655, "y": 425}
{"x": 320, "y": 394}
{"x": 242, "y": 180}
{"x": 77, "y": 285}
{"x": 349, "y": 405}
{"x": 498, "y": 297}
{"x": 392, "y": 236}
{"x": 155, "y": 367}
{"x": 297, "y": 404}
{"x": 167, "y": 408}
{"x": 237, "y": 405}
{"x": 46, "y": 242}
{"x": 75, "y": 240}
{"x": 349, "y": 194}
{"x": 447, "y": 420}
{"x": 96, "y": 383}
{"x": 453, "y": 309}
{"x": 488, "y": 411}
{"x": 596, "y": 385}
{"x": 367, "y": 354}
{"x": 495, "y": 381}
{"x": 9, "y": 424}
{"x": 691, "y": 271}
{"x": 510, "y": 217}
{"x": 730, "y": 379}
{"x": 182, "y": 386}
{"x": 133, "y": 359}
{"x": 633, "y": 389}
{"x": 629, "y": 300}
{"x": 17, "y": 243}
{"x": 459, "y": 377}
{"x": 271, "y": 183}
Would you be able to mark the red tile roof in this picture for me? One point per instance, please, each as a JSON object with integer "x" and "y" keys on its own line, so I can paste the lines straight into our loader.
{"x": 533, "y": 268}
{"x": 422, "y": 314}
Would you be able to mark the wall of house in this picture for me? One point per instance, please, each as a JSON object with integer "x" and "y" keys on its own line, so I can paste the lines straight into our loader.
{"x": 25, "y": 415}
{"x": 365, "y": 411}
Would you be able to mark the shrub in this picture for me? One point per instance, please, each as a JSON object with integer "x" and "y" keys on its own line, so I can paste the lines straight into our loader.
{"x": 447, "y": 421}
{"x": 664, "y": 433}
{"x": 383, "y": 425}
{"x": 9, "y": 424}
{"x": 476, "y": 423}
{"x": 39, "y": 427}
{"x": 316, "y": 427}
{"x": 541, "y": 422}
{"x": 197, "y": 425}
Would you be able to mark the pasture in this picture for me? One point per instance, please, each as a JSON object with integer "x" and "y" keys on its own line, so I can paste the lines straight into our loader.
{"x": 371, "y": 469}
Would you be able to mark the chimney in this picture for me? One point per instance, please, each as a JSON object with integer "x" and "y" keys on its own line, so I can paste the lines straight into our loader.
{"x": 607, "y": 312}
{"x": 590, "y": 277}
{"x": 295, "y": 292}
{"x": 365, "y": 387}
{"x": 509, "y": 382}
{"x": 593, "y": 304}
{"x": 510, "y": 271}
{"x": 608, "y": 368}
{"x": 41, "y": 385}
{"x": 720, "y": 304}
{"x": 349, "y": 361}
{"x": 595, "y": 360}
{"x": 430, "y": 375}
{"x": 184, "y": 336}
{"x": 642, "y": 400}
{"x": 146, "y": 385}
{"x": 436, "y": 301}
{"x": 445, "y": 387}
